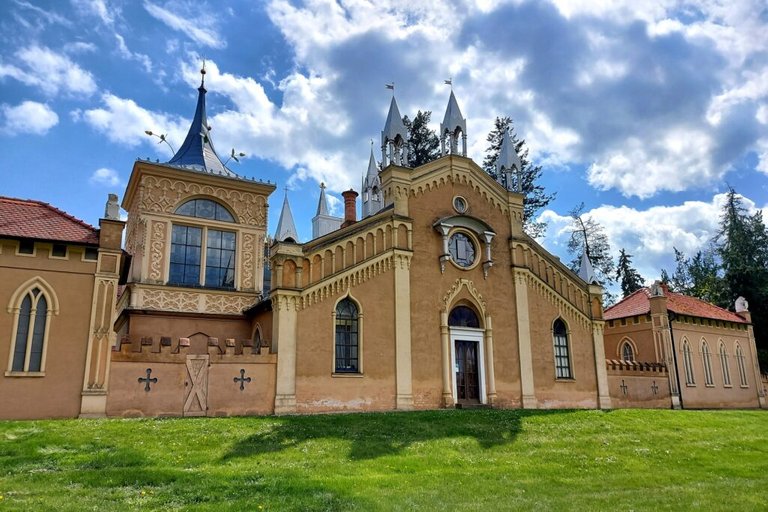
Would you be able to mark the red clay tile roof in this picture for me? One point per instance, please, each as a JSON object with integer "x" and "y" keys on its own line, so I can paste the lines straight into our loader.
{"x": 638, "y": 303}
{"x": 26, "y": 218}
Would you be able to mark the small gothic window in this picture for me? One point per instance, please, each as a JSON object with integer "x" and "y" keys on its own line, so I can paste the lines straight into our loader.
{"x": 30, "y": 333}
{"x": 724, "y": 365}
{"x": 463, "y": 316}
{"x": 205, "y": 209}
{"x": 742, "y": 366}
{"x": 627, "y": 354}
{"x": 347, "y": 337}
{"x": 562, "y": 355}
{"x": 688, "y": 364}
{"x": 706, "y": 357}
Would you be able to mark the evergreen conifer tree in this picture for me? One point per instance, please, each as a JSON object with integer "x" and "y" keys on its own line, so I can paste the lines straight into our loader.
{"x": 423, "y": 143}
{"x": 629, "y": 278}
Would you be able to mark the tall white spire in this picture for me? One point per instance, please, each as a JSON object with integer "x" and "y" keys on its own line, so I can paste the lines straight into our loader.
{"x": 286, "y": 229}
{"x": 372, "y": 201}
{"x": 453, "y": 125}
{"x": 394, "y": 138}
{"x": 508, "y": 165}
{"x": 323, "y": 223}
{"x": 585, "y": 270}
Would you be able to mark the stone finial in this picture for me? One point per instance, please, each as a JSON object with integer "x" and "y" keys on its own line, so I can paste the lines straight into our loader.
{"x": 656, "y": 289}
{"x": 112, "y": 209}
{"x": 741, "y": 305}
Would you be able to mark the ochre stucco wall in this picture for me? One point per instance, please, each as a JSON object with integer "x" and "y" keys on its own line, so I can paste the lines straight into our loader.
{"x": 57, "y": 394}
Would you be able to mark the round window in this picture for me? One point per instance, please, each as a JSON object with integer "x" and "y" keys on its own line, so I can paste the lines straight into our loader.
{"x": 459, "y": 204}
{"x": 462, "y": 249}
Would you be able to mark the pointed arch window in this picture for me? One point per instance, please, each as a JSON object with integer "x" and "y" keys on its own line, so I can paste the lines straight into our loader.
{"x": 347, "y": 349}
{"x": 463, "y": 316}
{"x": 724, "y": 365}
{"x": 562, "y": 353}
{"x": 627, "y": 352}
{"x": 706, "y": 357}
{"x": 688, "y": 364}
{"x": 30, "y": 332}
{"x": 742, "y": 366}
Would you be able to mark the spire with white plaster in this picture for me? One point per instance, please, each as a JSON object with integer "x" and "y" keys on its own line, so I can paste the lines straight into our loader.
{"x": 394, "y": 138}
{"x": 453, "y": 126}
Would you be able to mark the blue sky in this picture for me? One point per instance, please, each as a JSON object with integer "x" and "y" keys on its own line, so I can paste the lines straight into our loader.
{"x": 644, "y": 111}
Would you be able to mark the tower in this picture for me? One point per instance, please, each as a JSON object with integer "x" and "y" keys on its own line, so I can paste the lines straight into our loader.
{"x": 323, "y": 223}
{"x": 453, "y": 126}
{"x": 394, "y": 138}
{"x": 372, "y": 200}
{"x": 286, "y": 229}
{"x": 508, "y": 165}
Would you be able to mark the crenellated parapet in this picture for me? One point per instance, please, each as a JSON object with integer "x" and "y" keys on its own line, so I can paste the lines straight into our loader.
{"x": 620, "y": 366}
{"x": 151, "y": 346}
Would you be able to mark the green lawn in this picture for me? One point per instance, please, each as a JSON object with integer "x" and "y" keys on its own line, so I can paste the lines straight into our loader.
{"x": 450, "y": 460}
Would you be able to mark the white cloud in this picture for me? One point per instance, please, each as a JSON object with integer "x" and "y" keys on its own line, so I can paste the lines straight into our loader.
{"x": 28, "y": 117}
{"x": 201, "y": 29}
{"x": 105, "y": 176}
{"x": 99, "y": 8}
{"x": 51, "y": 72}
{"x": 49, "y": 17}
{"x": 127, "y": 54}
{"x": 675, "y": 159}
{"x": 649, "y": 235}
{"x": 124, "y": 122}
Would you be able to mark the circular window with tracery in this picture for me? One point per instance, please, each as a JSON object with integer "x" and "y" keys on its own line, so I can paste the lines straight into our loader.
{"x": 460, "y": 204}
{"x": 462, "y": 249}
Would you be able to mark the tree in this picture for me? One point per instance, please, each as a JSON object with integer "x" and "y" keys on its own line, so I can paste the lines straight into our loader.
{"x": 588, "y": 237}
{"x": 423, "y": 143}
{"x": 629, "y": 278}
{"x": 742, "y": 244}
{"x": 535, "y": 196}
{"x": 700, "y": 277}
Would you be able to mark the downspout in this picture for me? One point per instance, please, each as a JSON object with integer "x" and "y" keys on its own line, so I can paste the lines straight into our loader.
{"x": 670, "y": 318}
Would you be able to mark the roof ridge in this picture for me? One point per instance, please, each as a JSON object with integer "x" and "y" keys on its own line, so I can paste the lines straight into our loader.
{"x": 643, "y": 289}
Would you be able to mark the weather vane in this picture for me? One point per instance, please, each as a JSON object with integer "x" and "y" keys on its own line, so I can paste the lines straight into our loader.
{"x": 162, "y": 138}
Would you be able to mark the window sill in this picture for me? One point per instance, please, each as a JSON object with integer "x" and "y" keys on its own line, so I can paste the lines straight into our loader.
{"x": 744, "y": 387}
{"x": 690, "y": 385}
{"x": 565, "y": 379}
{"x": 25, "y": 374}
{"x": 727, "y": 385}
{"x": 709, "y": 385}
{"x": 201, "y": 287}
{"x": 349, "y": 375}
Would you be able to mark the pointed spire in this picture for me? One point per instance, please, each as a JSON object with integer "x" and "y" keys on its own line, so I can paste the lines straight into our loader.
{"x": 373, "y": 169}
{"x": 508, "y": 163}
{"x": 286, "y": 229}
{"x": 197, "y": 151}
{"x": 453, "y": 124}
{"x": 322, "y": 204}
{"x": 394, "y": 137}
{"x": 585, "y": 270}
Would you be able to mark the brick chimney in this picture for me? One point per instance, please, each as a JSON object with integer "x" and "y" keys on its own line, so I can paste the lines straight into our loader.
{"x": 350, "y": 207}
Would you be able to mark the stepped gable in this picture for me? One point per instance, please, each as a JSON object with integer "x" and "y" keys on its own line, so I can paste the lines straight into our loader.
{"x": 638, "y": 303}
{"x": 26, "y": 218}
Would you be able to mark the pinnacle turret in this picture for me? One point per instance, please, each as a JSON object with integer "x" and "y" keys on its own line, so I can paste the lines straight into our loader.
{"x": 286, "y": 229}
{"x": 394, "y": 138}
{"x": 453, "y": 125}
{"x": 508, "y": 165}
{"x": 372, "y": 201}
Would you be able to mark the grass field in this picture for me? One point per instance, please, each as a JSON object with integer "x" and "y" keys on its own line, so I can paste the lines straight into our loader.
{"x": 449, "y": 460}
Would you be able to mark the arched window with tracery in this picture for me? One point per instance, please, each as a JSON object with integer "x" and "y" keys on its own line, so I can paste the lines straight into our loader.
{"x": 32, "y": 313}
{"x": 463, "y": 316}
{"x": 347, "y": 337}
{"x": 724, "y": 365}
{"x": 742, "y": 366}
{"x": 627, "y": 352}
{"x": 706, "y": 358}
{"x": 688, "y": 364}
{"x": 562, "y": 352}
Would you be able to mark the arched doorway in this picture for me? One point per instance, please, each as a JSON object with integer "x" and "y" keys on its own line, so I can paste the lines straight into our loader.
{"x": 467, "y": 355}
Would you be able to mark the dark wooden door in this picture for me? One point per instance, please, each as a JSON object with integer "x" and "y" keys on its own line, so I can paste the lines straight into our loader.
{"x": 467, "y": 384}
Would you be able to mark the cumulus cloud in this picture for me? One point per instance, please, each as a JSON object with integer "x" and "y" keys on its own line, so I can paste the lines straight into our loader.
{"x": 651, "y": 234}
{"x": 197, "y": 25}
{"x": 51, "y": 72}
{"x": 28, "y": 117}
{"x": 124, "y": 122}
{"x": 105, "y": 176}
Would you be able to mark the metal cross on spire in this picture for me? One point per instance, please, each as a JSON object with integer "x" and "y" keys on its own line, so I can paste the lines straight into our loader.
{"x": 202, "y": 75}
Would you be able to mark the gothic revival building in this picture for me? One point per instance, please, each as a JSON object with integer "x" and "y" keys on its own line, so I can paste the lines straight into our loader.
{"x": 435, "y": 298}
